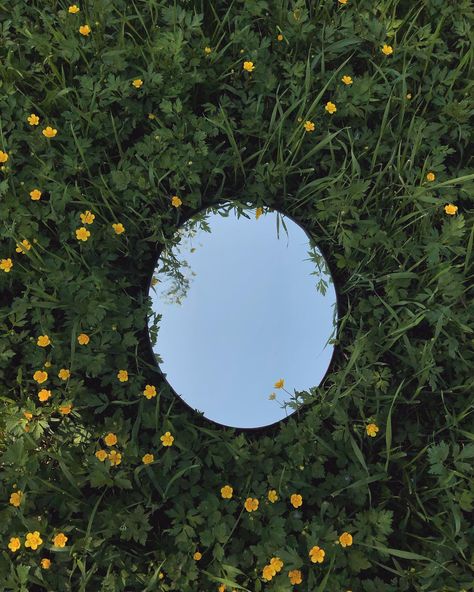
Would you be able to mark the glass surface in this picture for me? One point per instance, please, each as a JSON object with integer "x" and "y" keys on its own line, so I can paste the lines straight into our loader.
{"x": 241, "y": 303}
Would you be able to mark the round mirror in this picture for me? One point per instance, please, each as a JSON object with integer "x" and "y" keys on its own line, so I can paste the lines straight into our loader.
{"x": 246, "y": 312}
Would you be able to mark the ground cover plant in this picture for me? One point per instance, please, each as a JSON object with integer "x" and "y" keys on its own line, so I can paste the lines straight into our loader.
{"x": 118, "y": 120}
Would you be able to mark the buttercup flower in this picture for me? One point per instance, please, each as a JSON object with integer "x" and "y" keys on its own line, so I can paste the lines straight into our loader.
{"x": 14, "y": 544}
{"x": 345, "y": 539}
{"x": 175, "y": 201}
{"x": 33, "y": 119}
{"x": 296, "y": 500}
{"x": 309, "y": 126}
{"x": 82, "y": 233}
{"x": 272, "y": 496}
{"x": 167, "y": 439}
{"x": 317, "y": 554}
{"x": 119, "y": 228}
{"x": 115, "y": 458}
{"x": 83, "y": 339}
{"x": 15, "y": 498}
{"x": 268, "y": 572}
{"x": 45, "y": 563}
{"x": 87, "y": 217}
{"x": 151, "y": 116}
{"x": 279, "y": 383}
{"x": 451, "y": 209}
{"x": 197, "y": 556}
{"x": 295, "y": 576}
{"x": 372, "y": 429}
{"x": 3, "y": 156}
{"x": 122, "y": 375}
{"x": 251, "y": 504}
{"x": 28, "y": 415}
{"x": 65, "y": 409}
{"x": 49, "y": 132}
{"x": 101, "y": 455}
{"x": 276, "y": 563}
{"x": 342, "y": 1}
{"x": 207, "y": 50}
{"x": 64, "y": 374}
{"x": 33, "y": 540}
{"x": 147, "y": 459}
{"x": 150, "y": 391}
{"x": 47, "y": 364}
{"x": 84, "y": 30}
{"x": 40, "y": 376}
{"x": 227, "y": 491}
{"x": 43, "y": 341}
{"x": 73, "y": 9}
{"x": 258, "y": 213}
{"x": 330, "y": 107}
{"x": 430, "y": 176}
{"x": 387, "y": 49}
{"x": 110, "y": 439}
{"x": 60, "y": 540}
{"x": 6, "y": 264}
{"x": 44, "y": 395}
{"x": 280, "y": 37}
{"x": 249, "y": 66}
{"x": 137, "y": 83}
{"x": 346, "y": 79}
{"x": 23, "y": 246}
{"x": 35, "y": 194}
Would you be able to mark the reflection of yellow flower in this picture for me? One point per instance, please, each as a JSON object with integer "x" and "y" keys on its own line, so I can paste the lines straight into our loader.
{"x": 272, "y": 496}
{"x": 387, "y": 49}
{"x": 372, "y": 429}
{"x": 45, "y": 563}
{"x": 148, "y": 458}
{"x": 15, "y": 498}
{"x": 175, "y": 201}
{"x": 249, "y": 66}
{"x": 60, "y": 540}
{"x": 49, "y": 132}
{"x": 167, "y": 439}
{"x": 258, "y": 213}
{"x": 150, "y": 391}
{"x": 317, "y": 554}
{"x": 451, "y": 209}
{"x": 279, "y": 383}
{"x": 296, "y": 500}
{"x": 110, "y": 439}
{"x": 345, "y": 539}
{"x": 122, "y": 375}
{"x": 33, "y": 540}
{"x": 43, "y": 341}
{"x": 33, "y": 119}
{"x": 295, "y": 576}
{"x": 251, "y": 504}
{"x": 227, "y": 491}
{"x": 14, "y": 544}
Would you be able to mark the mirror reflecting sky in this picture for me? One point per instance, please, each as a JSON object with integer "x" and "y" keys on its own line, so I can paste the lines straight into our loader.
{"x": 241, "y": 309}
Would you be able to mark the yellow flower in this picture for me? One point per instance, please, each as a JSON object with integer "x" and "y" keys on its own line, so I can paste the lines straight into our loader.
{"x": 87, "y": 217}
{"x": 84, "y": 30}
{"x": 35, "y": 194}
{"x": 258, "y": 213}
{"x": 342, "y": 1}
{"x": 150, "y": 391}
{"x": 82, "y": 233}
{"x": 101, "y": 455}
{"x": 430, "y": 176}
{"x": 272, "y": 496}
{"x": 221, "y": 588}
{"x": 115, "y": 458}
{"x": 40, "y": 376}
{"x": 317, "y": 554}
{"x": 33, "y": 540}
{"x": 44, "y": 395}
{"x": 33, "y": 119}
{"x": 119, "y": 228}
{"x": 148, "y": 458}
{"x": 268, "y": 572}
{"x": 122, "y": 375}
{"x": 45, "y": 563}
{"x": 451, "y": 209}
{"x": 23, "y": 246}
{"x": 14, "y": 544}
{"x": 279, "y": 383}
{"x": 137, "y": 83}
{"x": 49, "y": 132}
{"x": 207, "y": 50}
{"x": 43, "y": 341}
{"x": 3, "y": 156}
{"x": 345, "y": 539}
{"x": 280, "y": 37}
{"x": 28, "y": 415}
{"x": 387, "y": 49}
{"x": 408, "y": 96}
{"x": 60, "y": 540}
{"x": 175, "y": 201}
{"x": 251, "y": 504}
{"x": 6, "y": 264}
{"x": 64, "y": 374}
{"x": 309, "y": 126}
{"x": 276, "y": 563}
{"x": 346, "y": 79}
{"x": 227, "y": 491}
{"x": 249, "y": 66}
{"x": 197, "y": 556}
{"x": 47, "y": 364}
{"x": 167, "y": 439}
{"x": 65, "y": 409}
{"x": 73, "y": 9}
{"x": 83, "y": 339}
{"x": 295, "y": 576}
{"x": 15, "y": 498}
{"x": 372, "y": 429}
{"x": 151, "y": 116}
{"x": 110, "y": 439}
{"x": 330, "y": 107}
{"x": 296, "y": 500}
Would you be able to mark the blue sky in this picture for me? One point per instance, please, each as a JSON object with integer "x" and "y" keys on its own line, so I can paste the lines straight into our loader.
{"x": 251, "y": 316}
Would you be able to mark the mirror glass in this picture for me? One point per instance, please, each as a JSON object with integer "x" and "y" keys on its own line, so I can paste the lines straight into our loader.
{"x": 242, "y": 301}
